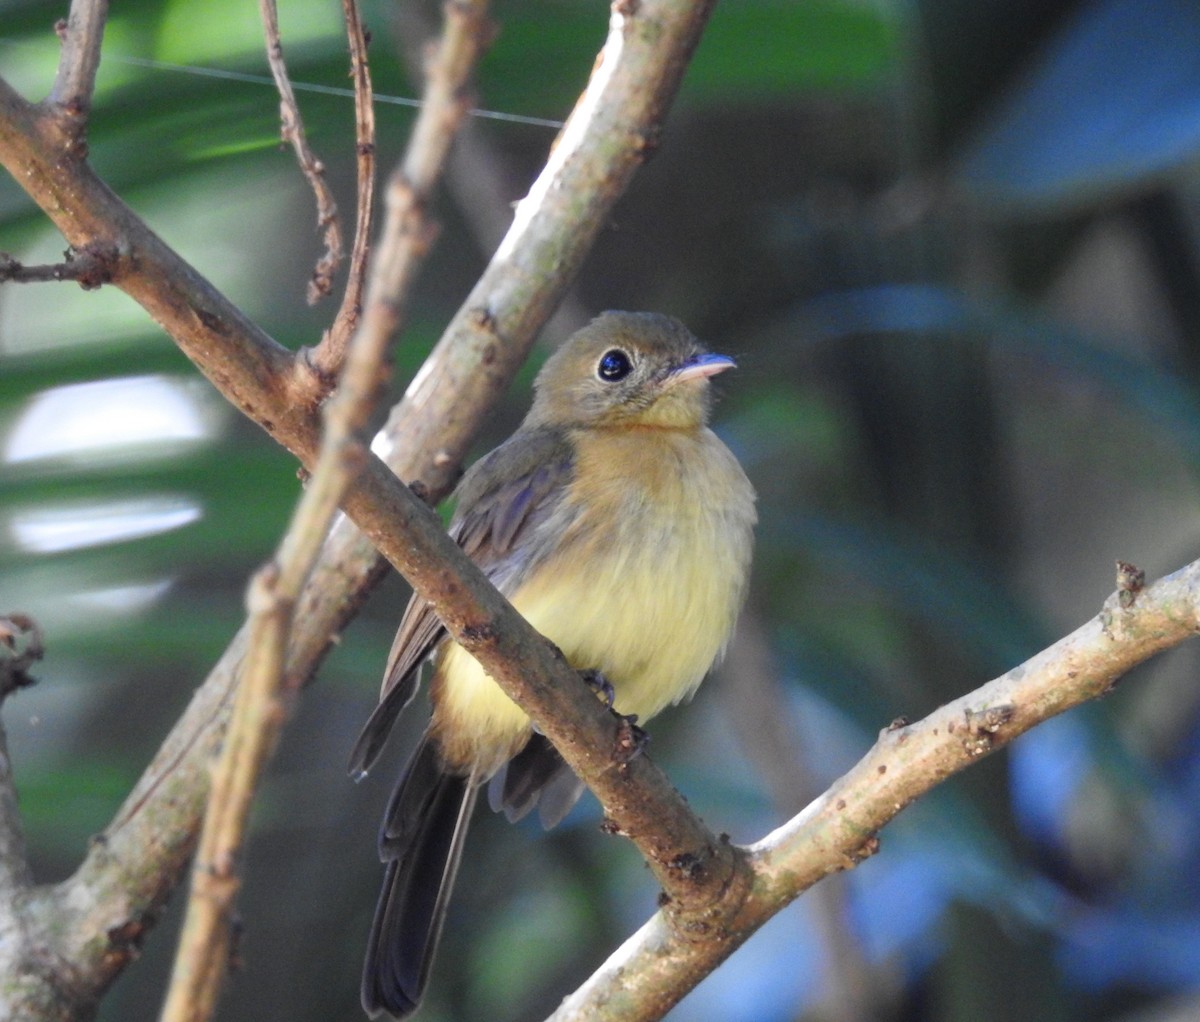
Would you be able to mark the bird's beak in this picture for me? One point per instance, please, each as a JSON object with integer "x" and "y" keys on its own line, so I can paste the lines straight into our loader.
{"x": 701, "y": 366}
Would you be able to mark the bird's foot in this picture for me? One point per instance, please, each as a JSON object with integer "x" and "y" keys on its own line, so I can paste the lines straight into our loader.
{"x": 631, "y": 739}
{"x": 599, "y": 684}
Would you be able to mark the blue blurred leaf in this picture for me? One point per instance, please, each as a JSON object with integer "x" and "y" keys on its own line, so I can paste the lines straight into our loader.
{"x": 1114, "y": 100}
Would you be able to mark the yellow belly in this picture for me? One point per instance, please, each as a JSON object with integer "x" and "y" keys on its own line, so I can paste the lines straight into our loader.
{"x": 645, "y": 589}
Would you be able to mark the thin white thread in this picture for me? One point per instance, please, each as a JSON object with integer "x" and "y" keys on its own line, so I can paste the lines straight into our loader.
{"x": 327, "y": 90}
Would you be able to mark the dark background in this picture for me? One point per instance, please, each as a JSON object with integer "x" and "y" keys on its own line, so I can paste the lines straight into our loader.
{"x": 952, "y": 245}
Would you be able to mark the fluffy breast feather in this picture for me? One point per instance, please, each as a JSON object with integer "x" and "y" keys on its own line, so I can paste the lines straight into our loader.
{"x": 645, "y": 569}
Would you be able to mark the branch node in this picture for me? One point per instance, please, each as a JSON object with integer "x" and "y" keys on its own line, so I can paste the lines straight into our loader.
{"x": 21, "y": 646}
{"x": 630, "y": 740}
{"x": 687, "y": 865}
{"x": 1131, "y": 580}
{"x": 70, "y": 99}
{"x": 647, "y": 141}
{"x": 318, "y": 378}
{"x": 984, "y": 725}
{"x": 125, "y": 941}
{"x": 862, "y": 853}
{"x": 90, "y": 266}
{"x": 211, "y": 321}
{"x": 262, "y": 595}
{"x": 479, "y": 634}
{"x": 482, "y": 318}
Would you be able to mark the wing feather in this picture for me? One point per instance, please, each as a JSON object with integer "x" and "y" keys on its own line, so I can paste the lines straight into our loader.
{"x": 503, "y": 497}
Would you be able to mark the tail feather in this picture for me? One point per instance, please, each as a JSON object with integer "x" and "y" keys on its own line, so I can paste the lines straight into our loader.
{"x": 536, "y": 776}
{"x": 379, "y": 725}
{"x": 421, "y": 843}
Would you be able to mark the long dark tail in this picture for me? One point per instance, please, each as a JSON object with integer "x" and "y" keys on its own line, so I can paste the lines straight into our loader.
{"x": 421, "y": 843}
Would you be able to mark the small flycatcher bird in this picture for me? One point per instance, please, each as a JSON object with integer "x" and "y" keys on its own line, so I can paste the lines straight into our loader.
{"x": 621, "y": 528}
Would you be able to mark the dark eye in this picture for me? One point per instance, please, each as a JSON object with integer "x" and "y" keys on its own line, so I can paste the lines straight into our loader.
{"x": 614, "y": 365}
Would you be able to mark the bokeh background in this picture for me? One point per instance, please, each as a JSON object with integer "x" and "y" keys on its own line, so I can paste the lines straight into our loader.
{"x": 953, "y": 245}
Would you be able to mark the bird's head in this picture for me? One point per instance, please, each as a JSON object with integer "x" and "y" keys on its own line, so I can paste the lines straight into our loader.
{"x": 627, "y": 369}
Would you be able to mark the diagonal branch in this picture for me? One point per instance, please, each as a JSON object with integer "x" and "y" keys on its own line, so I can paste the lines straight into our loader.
{"x": 78, "y": 62}
{"x": 658, "y": 965}
{"x": 262, "y": 708}
{"x": 610, "y": 133}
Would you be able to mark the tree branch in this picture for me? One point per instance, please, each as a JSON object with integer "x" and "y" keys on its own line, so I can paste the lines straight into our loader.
{"x": 346, "y": 320}
{"x": 475, "y": 172}
{"x": 261, "y": 709}
{"x": 20, "y": 648}
{"x": 658, "y": 965}
{"x": 292, "y": 132}
{"x": 258, "y": 717}
{"x": 254, "y": 372}
{"x": 89, "y": 268}
{"x": 753, "y": 700}
{"x": 98, "y": 915}
{"x": 79, "y": 59}
{"x": 408, "y": 228}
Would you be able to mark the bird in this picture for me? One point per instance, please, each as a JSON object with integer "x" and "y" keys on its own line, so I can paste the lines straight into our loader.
{"x": 619, "y": 525}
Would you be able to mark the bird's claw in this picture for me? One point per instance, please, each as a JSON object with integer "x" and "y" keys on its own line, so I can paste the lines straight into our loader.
{"x": 599, "y": 684}
{"x": 631, "y": 739}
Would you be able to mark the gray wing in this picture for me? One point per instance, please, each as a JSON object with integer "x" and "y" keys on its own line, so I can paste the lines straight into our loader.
{"x": 500, "y": 500}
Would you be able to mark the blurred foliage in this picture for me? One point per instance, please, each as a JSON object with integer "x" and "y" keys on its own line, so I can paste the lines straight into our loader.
{"x": 954, "y": 248}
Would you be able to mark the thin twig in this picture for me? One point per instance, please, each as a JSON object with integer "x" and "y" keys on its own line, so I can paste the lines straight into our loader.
{"x": 752, "y": 699}
{"x": 79, "y": 59}
{"x": 477, "y": 176}
{"x": 254, "y": 372}
{"x": 292, "y": 132}
{"x": 408, "y": 229}
{"x": 203, "y": 951}
{"x": 260, "y": 710}
{"x": 657, "y": 966}
{"x": 448, "y": 99}
{"x": 347, "y": 318}
{"x": 89, "y": 268}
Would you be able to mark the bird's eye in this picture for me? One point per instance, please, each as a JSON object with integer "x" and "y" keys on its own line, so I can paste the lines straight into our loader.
{"x": 614, "y": 365}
